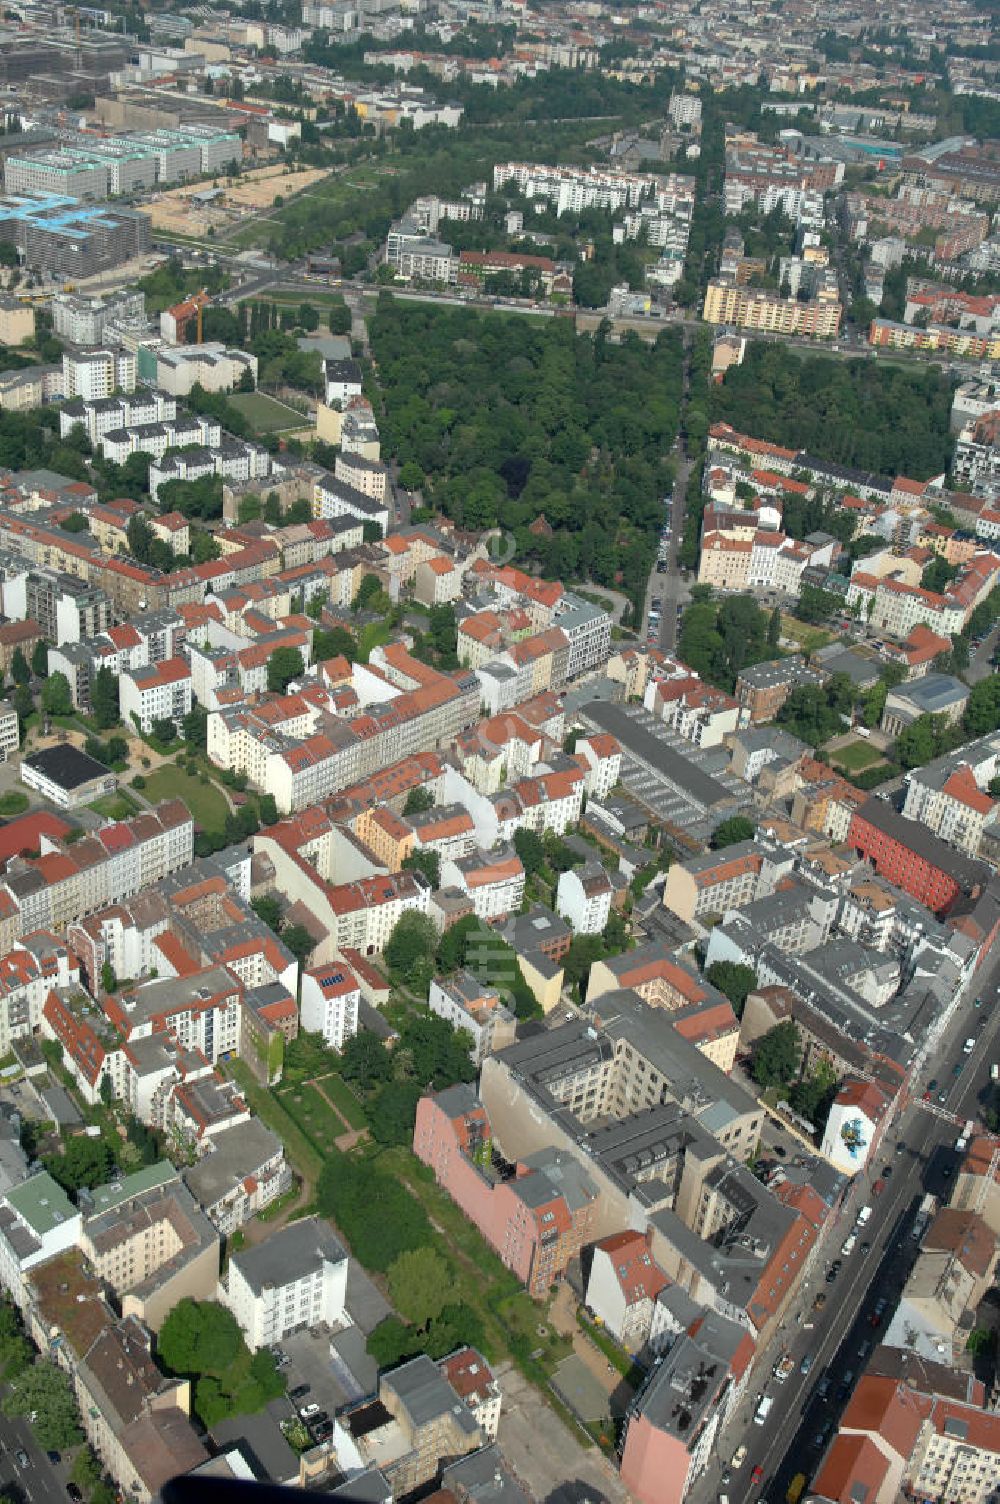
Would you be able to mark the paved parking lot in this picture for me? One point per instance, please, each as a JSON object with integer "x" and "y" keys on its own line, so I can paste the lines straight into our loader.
{"x": 336, "y": 1365}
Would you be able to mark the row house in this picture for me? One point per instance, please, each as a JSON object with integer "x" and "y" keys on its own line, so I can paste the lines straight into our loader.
{"x": 335, "y": 497}
{"x": 493, "y": 880}
{"x": 158, "y": 692}
{"x": 330, "y": 1001}
{"x": 67, "y": 882}
{"x": 28, "y": 972}
{"x": 698, "y": 712}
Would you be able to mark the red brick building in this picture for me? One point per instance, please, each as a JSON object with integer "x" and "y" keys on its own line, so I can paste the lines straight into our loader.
{"x": 536, "y": 1220}
{"x": 908, "y": 854}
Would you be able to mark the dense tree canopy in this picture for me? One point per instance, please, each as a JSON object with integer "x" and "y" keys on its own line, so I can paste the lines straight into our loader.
{"x": 510, "y": 419}
{"x": 853, "y": 412}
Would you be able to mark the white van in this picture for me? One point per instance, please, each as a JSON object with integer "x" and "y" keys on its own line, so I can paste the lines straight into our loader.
{"x": 864, "y": 1216}
{"x": 763, "y": 1409}
{"x": 995, "y": 1072}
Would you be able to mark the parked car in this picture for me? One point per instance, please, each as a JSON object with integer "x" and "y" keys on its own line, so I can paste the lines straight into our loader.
{"x": 23, "y": 1460}
{"x": 74, "y": 1493}
{"x": 299, "y": 1392}
{"x": 309, "y": 1410}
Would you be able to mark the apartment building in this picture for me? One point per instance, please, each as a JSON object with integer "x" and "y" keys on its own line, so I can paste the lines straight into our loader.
{"x": 949, "y": 795}
{"x": 209, "y": 365}
{"x": 480, "y": 1010}
{"x": 157, "y": 692}
{"x": 240, "y": 1173}
{"x": 360, "y": 915}
{"x": 622, "y": 1287}
{"x": 69, "y": 881}
{"x": 913, "y": 857}
{"x": 493, "y": 880}
{"x": 296, "y": 1279}
{"x": 151, "y": 1243}
{"x": 94, "y": 375}
{"x": 536, "y": 1221}
{"x": 417, "y": 1420}
{"x": 675, "y": 1420}
{"x": 330, "y": 998}
{"x": 720, "y": 880}
{"x": 916, "y": 1434}
{"x": 83, "y": 320}
{"x": 37, "y": 1222}
{"x": 136, "y": 1420}
{"x": 370, "y": 477}
{"x": 763, "y": 688}
{"x": 583, "y": 898}
{"x": 751, "y": 308}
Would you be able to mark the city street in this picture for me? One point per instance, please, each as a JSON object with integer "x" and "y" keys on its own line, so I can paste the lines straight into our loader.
{"x": 38, "y": 1482}
{"x": 841, "y": 1336}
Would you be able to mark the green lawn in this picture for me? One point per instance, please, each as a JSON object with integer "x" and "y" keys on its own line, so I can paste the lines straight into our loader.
{"x": 346, "y": 1102}
{"x": 115, "y": 806}
{"x": 807, "y": 637}
{"x": 856, "y": 756}
{"x": 299, "y": 1151}
{"x": 204, "y": 800}
{"x": 265, "y": 413}
{"x": 314, "y": 1115}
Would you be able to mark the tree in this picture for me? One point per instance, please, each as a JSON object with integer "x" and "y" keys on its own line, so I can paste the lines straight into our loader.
{"x": 165, "y": 730}
{"x": 419, "y": 1282}
{"x": 411, "y": 477}
{"x": 729, "y": 832}
{"x": 776, "y": 1055}
{"x": 451, "y": 951}
{"x": 364, "y": 1061}
{"x": 371, "y": 596}
{"x": 418, "y": 800}
{"x": 45, "y": 1393}
{"x": 104, "y": 699}
{"x": 734, "y": 980}
{"x": 40, "y": 659}
{"x": 332, "y": 642}
{"x": 774, "y": 629}
{"x": 19, "y": 669}
{"x": 584, "y": 950}
{"x": 268, "y": 909}
{"x": 982, "y": 711}
{"x": 299, "y": 941}
{"x": 83, "y": 1162}
{"x": 86, "y": 1471}
{"x": 817, "y": 605}
{"x": 378, "y": 1216}
{"x": 194, "y": 727}
{"x": 108, "y": 979}
{"x": 199, "y": 1337}
{"x": 57, "y": 698}
{"x": 411, "y": 945}
{"x": 427, "y": 862}
{"x": 23, "y": 703}
{"x": 284, "y": 665}
{"x": 530, "y": 849}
